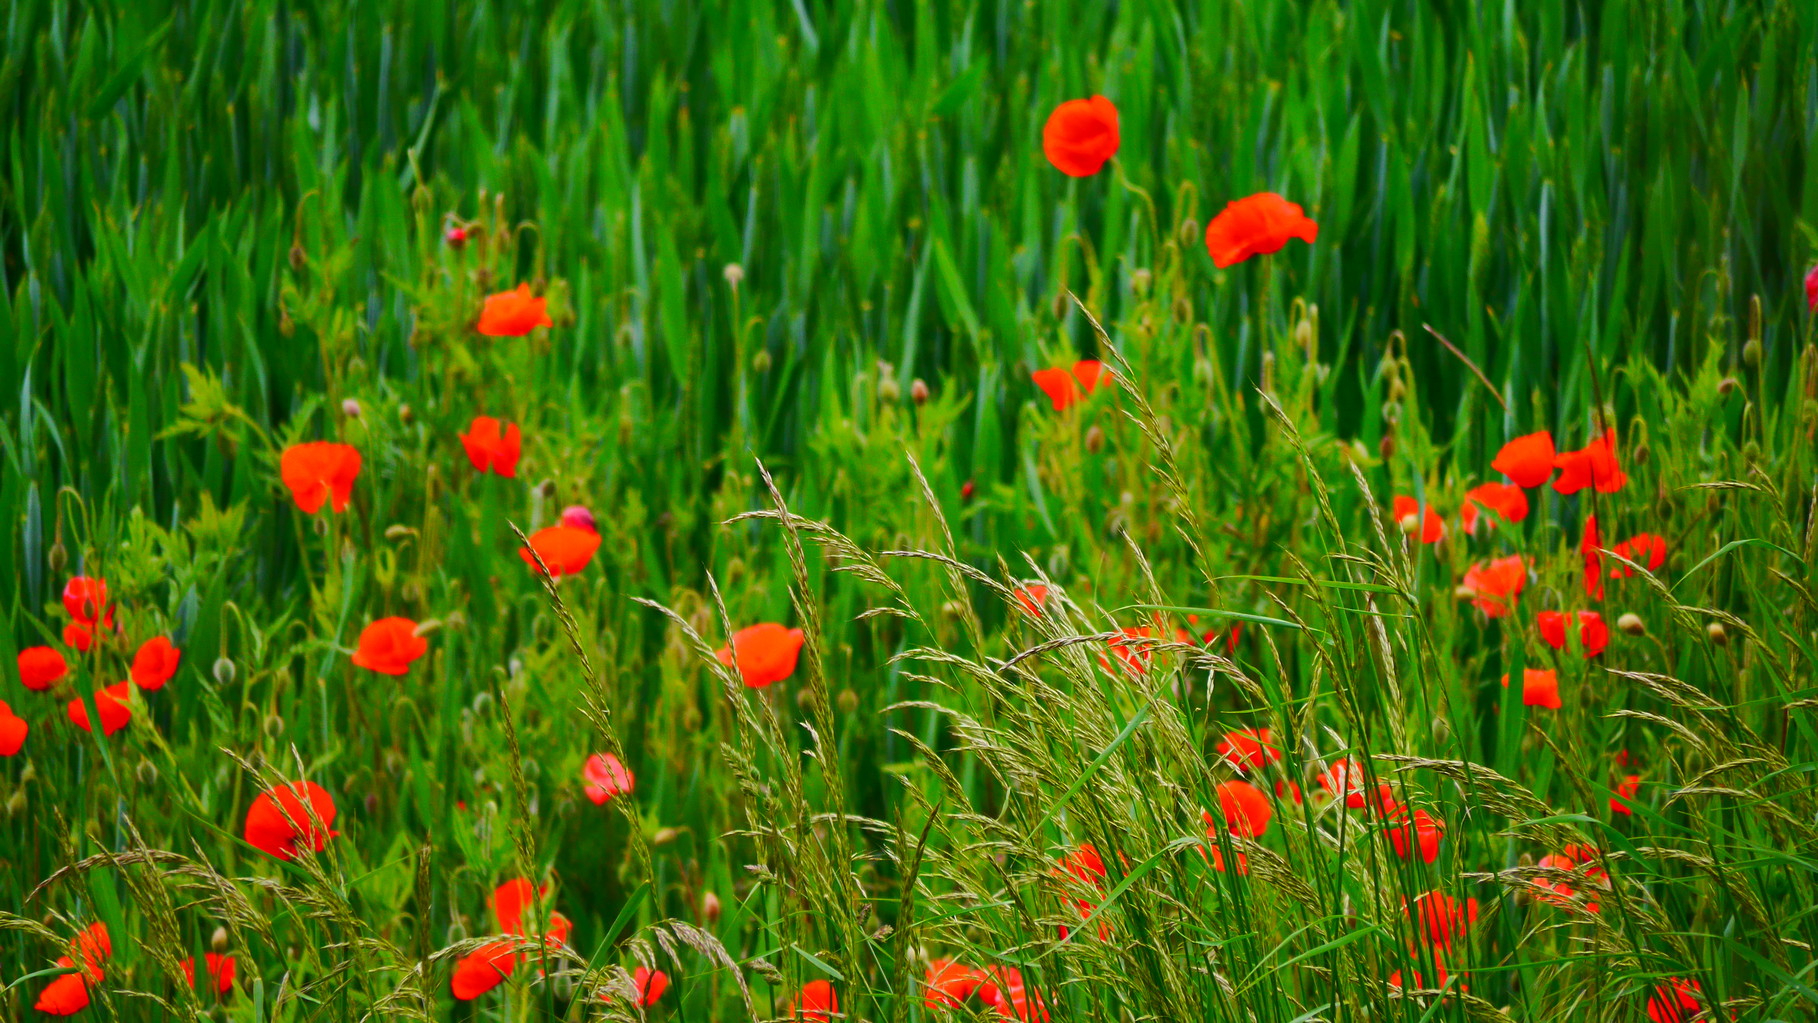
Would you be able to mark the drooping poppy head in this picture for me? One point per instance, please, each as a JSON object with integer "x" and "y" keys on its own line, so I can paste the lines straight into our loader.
{"x": 763, "y": 654}
{"x": 1595, "y": 465}
{"x": 1439, "y": 918}
{"x": 1345, "y": 778}
{"x": 1625, "y": 791}
{"x": 1067, "y": 387}
{"x": 565, "y": 549}
{"x": 950, "y": 983}
{"x": 1005, "y": 991}
{"x": 85, "y": 599}
{"x": 1646, "y": 549}
{"x": 1676, "y": 1001}
{"x": 1080, "y": 136}
{"x": 113, "y": 705}
{"x": 155, "y": 663}
{"x": 320, "y": 472}
{"x": 578, "y": 516}
{"x": 493, "y": 446}
{"x": 1501, "y": 500}
{"x": 1493, "y": 586}
{"x": 816, "y": 1004}
{"x": 1248, "y": 749}
{"x": 1256, "y": 226}
{"x": 389, "y": 645}
{"x": 1527, "y": 460}
{"x": 481, "y": 970}
{"x": 1406, "y": 512}
{"x": 650, "y": 985}
{"x": 220, "y": 971}
{"x": 1031, "y": 598}
{"x": 606, "y": 777}
{"x": 40, "y": 667}
{"x": 1243, "y": 809}
{"x": 513, "y": 313}
{"x": 66, "y": 995}
{"x": 1538, "y": 688}
{"x": 13, "y": 729}
{"x": 285, "y": 820}
{"x": 1422, "y": 831}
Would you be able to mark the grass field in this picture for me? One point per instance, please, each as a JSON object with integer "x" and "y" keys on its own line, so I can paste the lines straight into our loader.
{"x": 802, "y": 261}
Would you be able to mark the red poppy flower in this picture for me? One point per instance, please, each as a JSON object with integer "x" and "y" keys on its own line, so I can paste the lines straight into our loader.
{"x": 319, "y": 472}
{"x": 1594, "y": 465}
{"x": 1243, "y": 808}
{"x": 1406, "y": 512}
{"x": 294, "y": 816}
{"x": 1425, "y": 831}
{"x": 493, "y": 446}
{"x": 1031, "y": 598}
{"x": 1561, "y": 893}
{"x": 1495, "y": 585}
{"x": 1216, "y": 857}
{"x": 94, "y": 945}
{"x": 1439, "y": 970}
{"x": 1005, "y": 991}
{"x": 766, "y": 653}
{"x": 85, "y": 599}
{"x": 389, "y": 645}
{"x": 1249, "y": 749}
{"x": 78, "y": 637}
{"x": 12, "y": 731}
{"x": 113, "y": 705}
{"x": 1506, "y": 501}
{"x": 1440, "y": 918}
{"x": 1131, "y": 650}
{"x": 1066, "y": 388}
{"x": 40, "y": 667}
{"x": 950, "y": 983}
{"x": 1625, "y": 791}
{"x": 483, "y": 969}
{"x": 220, "y": 970}
{"x": 565, "y": 549}
{"x": 606, "y": 777}
{"x": 1528, "y": 460}
{"x": 1346, "y": 778}
{"x": 1538, "y": 688}
{"x": 1590, "y": 548}
{"x": 1593, "y": 634}
{"x": 1643, "y": 549}
{"x": 1080, "y": 136}
{"x": 1287, "y": 790}
{"x": 1256, "y": 226}
{"x": 1084, "y": 864}
{"x": 580, "y": 517}
{"x": 513, "y": 313}
{"x": 66, "y": 995}
{"x": 155, "y": 663}
{"x": 817, "y": 1003}
{"x": 650, "y": 985}
{"x": 1676, "y": 1001}
{"x": 511, "y": 899}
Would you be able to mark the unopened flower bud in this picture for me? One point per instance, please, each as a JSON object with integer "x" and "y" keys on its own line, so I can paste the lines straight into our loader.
{"x": 57, "y": 557}
{"x": 405, "y": 415}
{"x": 966, "y": 490}
{"x": 710, "y": 908}
{"x": 1726, "y": 385}
{"x": 15, "y": 803}
{"x": 1631, "y": 623}
{"x": 273, "y": 726}
{"x": 760, "y": 363}
{"x": 1386, "y": 446}
{"x": 847, "y": 701}
{"x": 146, "y": 772}
{"x": 579, "y": 517}
{"x": 1716, "y": 633}
{"x": 1140, "y": 279}
{"x": 456, "y": 237}
{"x": 1095, "y": 440}
{"x": 918, "y": 391}
{"x": 888, "y": 392}
{"x": 218, "y": 941}
{"x": 296, "y": 257}
{"x": 350, "y": 407}
{"x": 1751, "y": 353}
{"x": 223, "y": 671}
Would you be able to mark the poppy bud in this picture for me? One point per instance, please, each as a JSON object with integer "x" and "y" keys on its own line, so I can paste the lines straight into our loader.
{"x": 1386, "y": 446}
{"x": 1751, "y": 353}
{"x": 372, "y": 803}
{"x": 888, "y": 392}
{"x": 146, "y": 772}
{"x": 1060, "y": 305}
{"x": 664, "y": 836}
{"x": 296, "y": 257}
{"x": 405, "y": 415}
{"x": 733, "y": 273}
{"x": 1095, "y": 440}
{"x": 1397, "y": 390}
{"x": 218, "y": 941}
{"x": 1303, "y": 335}
{"x": 456, "y": 237}
{"x": 350, "y": 408}
{"x": 1751, "y": 452}
{"x": 760, "y": 363}
{"x": 223, "y": 671}
{"x": 1726, "y": 385}
{"x": 1442, "y": 730}
{"x": 804, "y": 698}
{"x": 1716, "y": 633}
{"x": 15, "y": 804}
{"x": 1140, "y": 279}
{"x": 966, "y": 490}
{"x": 847, "y": 701}
{"x": 29, "y": 775}
{"x": 1631, "y": 623}
{"x": 1640, "y": 455}
{"x": 273, "y": 726}
{"x": 918, "y": 391}
{"x": 57, "y": 557}
{"x": 1189, "y": 232}
{"x": 710, "y": 908}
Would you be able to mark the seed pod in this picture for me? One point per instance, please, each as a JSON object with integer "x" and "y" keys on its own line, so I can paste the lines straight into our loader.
{"x": 1631, "y": 623}
{"x": 918, "y": 391}
{"x": 223, "y": 671}
{"x": 1095, "y": 440}
{"x": 1716, "y": 633}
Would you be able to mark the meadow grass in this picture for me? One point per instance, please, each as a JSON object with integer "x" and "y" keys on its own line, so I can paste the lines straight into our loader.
{"x": 802, "y": 258}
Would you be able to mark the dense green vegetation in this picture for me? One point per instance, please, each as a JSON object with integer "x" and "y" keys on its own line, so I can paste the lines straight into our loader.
{"x": 805, "y": 255}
